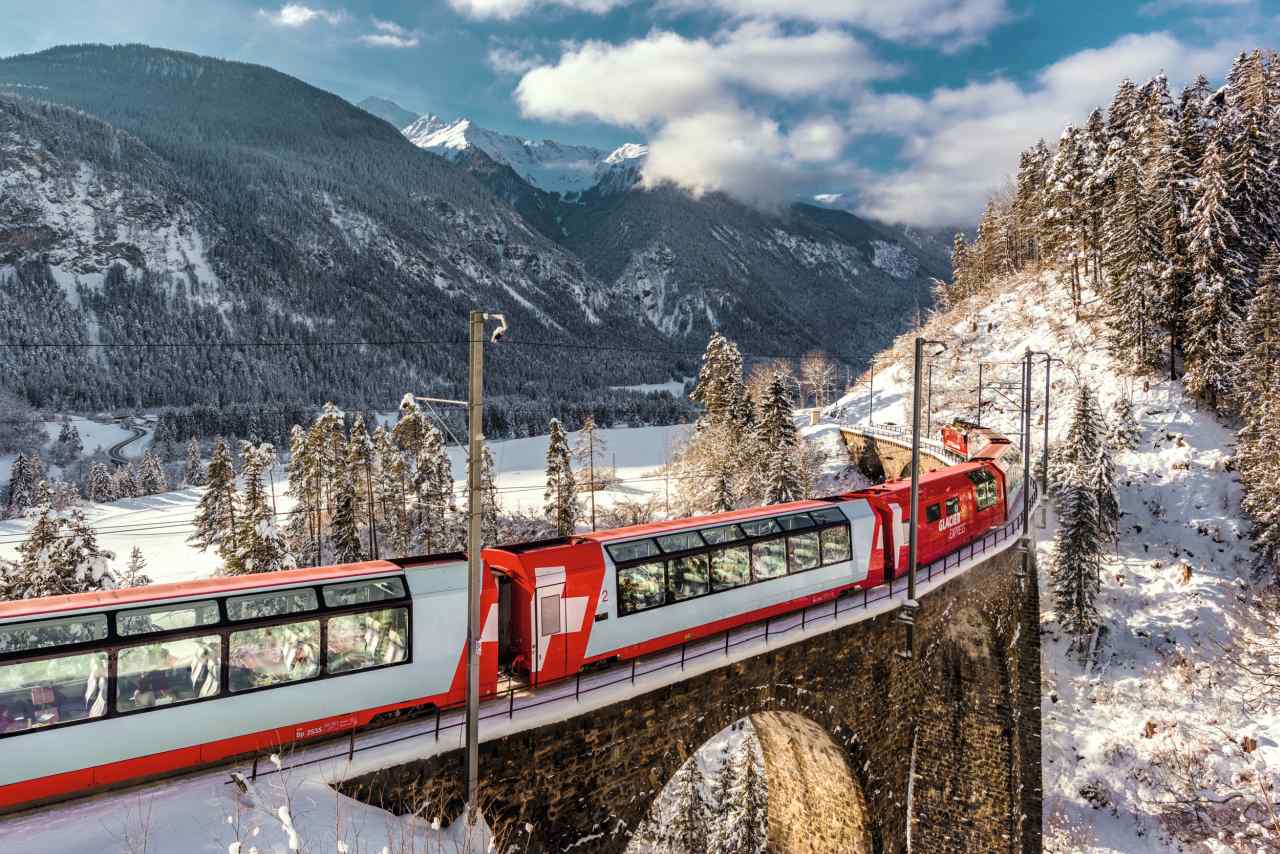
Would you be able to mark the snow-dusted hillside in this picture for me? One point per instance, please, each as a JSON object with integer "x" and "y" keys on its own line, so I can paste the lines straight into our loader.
{"x": 1155, "y": 735}
{"x": 546, "y": 164}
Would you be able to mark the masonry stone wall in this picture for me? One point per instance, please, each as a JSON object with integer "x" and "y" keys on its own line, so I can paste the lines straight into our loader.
{"x": 880, "y": 460}
{"x": 964, "y": 711}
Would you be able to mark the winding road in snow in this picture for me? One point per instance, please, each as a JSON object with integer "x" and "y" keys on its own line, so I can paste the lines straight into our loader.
{"x": 117, "y": 450}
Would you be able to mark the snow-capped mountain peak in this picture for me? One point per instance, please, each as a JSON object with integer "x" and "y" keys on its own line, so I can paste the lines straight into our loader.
{"x": 549, "y": 165}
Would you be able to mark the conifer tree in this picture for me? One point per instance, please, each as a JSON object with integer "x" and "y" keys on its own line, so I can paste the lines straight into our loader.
{"x": 1132, "y": 260}
{"x": 215, "y": 522}
{"x": 23, "y": 479}
{"x": 302, "y": 533}
{"x": 60, "y": 555}
{"x": 98, "y": 488}
{"x": 1125, "y": 434}
{"x": 360, "y": 464}
{"x": 258, "y": 545}
{"x": 1077, "y": 561}
{"x": 433, "y": 489}
{"x": 745, "y": 818}
{"x": 1103, "y": 482}
{"x": 1062, "y": 227}
{"x": 193, "y": 471}
{"x": 345, "y": 525}
{"x": 1250, "y": 166}
{"x": 394, "y": 530}
{"x": 720, "y": 389}
{"x": 687, "y": 829}
{"x": 783, "y": 471}
{"x": 560, "y": 499}
{"x": 125, "y": 482}
{"x": 135, "y": 574}
{"x": 962, "y": 285}
{"x": 151, "y": 480}
{"x": 488, "y": 499}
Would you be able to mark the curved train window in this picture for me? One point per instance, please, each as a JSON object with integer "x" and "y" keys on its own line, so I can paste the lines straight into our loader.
{"x": 802, "y": 551}
{"x": 276, "y": 604}
{"x": 723, "y": 534}
{"x": 687, "y": 577}
{"x": 681, "y": 542}
{"x": 730, "y": 567}
{"x": 768, "y": 559}
{"x": 25, "y": 637}
{"x": 985, "y": 491}
{"x": 363, "y": 592}
{"x": 642, "y": 586}
{"x": 760, "y": 527}
{"x": 796, "y": 522}
{"x": 167, "y": 672}
{"x": 634, "y": 550}
{"x": 953, "y": 506}
{"x": 357, "y": 641}
{"x": 828, "y": 516}
{"x": 35, "y": 694}
{"x": 835, "y": 544}
{"x": 273, "y": 655}
{"x": 933, "y": 513}
{"x": 145, "y": 621}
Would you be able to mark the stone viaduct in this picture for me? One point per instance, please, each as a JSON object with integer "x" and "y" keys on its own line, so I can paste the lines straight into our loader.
{"x": 866, "y": 750}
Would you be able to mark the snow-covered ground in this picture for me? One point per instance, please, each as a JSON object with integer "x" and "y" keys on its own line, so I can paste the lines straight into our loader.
{"x": 1161, "y": 705}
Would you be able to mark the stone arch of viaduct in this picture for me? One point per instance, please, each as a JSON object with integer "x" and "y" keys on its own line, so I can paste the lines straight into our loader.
{"x": 946, "y": 742}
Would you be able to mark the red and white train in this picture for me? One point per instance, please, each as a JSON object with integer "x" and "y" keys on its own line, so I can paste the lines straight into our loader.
{"x": 101, "y": 689}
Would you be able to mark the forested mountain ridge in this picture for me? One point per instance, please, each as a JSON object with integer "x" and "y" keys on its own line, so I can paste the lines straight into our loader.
{"x": 181, "y": 197}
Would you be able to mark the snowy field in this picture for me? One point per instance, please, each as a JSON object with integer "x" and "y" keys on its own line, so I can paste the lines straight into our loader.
{"x": 160, "y": 524}
{"x": 1161, "y": 705}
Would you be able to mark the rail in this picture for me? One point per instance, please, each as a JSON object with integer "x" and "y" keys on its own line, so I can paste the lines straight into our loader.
{"x": 901, "y": 436}
{"x": 506, "y": 704}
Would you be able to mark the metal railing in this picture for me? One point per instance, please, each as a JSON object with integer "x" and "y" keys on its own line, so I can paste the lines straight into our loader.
{"x": 902, "y": 436}
{"x": 506, "y": 704}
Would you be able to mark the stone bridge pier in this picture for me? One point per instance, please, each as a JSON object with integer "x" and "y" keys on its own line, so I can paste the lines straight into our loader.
{"x": 864, "y": 748}
{"x": 881, "y": 459}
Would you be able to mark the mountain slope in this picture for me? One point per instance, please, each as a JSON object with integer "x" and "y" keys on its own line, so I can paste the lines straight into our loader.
{"x": 389, "y": 111}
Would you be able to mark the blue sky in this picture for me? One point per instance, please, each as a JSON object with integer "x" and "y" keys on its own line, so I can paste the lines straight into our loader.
{"x": 913, "y": 109}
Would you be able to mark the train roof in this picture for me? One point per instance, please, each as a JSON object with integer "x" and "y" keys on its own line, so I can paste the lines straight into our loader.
{"x": 105, "y": 599}
{"x": 651, "y": 528}
{"x": 926, "y": 479}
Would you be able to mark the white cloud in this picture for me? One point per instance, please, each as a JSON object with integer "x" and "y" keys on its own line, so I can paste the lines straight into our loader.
{"x": 958, "y": 144}
{"x": 1162, "y": 7}
{"x": 505, "y": 10}
{"x": 296, "y": 15}
{"x": 961, "y": 21}
{"x": 389, "y": 34}
{"x": 691, "y": 94}
{"x": 511, "y": 61}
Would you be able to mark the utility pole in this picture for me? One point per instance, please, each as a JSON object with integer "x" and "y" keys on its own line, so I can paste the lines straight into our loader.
{"x": 907, "y": 615}
{"x": 929, "y": 415}
{"x": 871, "y": 395}
{"x": 591, "y": 451}
{"x": 979, "y": 394}
{"x": 1026, "y": 463}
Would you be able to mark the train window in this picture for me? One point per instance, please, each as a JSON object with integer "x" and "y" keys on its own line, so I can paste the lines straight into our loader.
{"x": 730, "y": 567}
{"x": 635, "y": 550}
{"x": 363, "y": 592}
{"x": 795, "y": 523}
{"x": 985, "y": 491}
{"x": 642, "y": 586}
{"x": 760, "y": 527}
{"x": 835, "y": 544}
{"x": 276, "y": 604}
{"x": 687, "y": 577}
{"x": 802, "y": 551}
{"x": 357, "y": 641}
{"x": 933, "y": 513}
{"x": 723, "y": 534}
{"x": 828, "y": 516}
{"x": 273, "y": 655}
{"x": 683, "y": 541}
{"x": 549, "y": 615}
{"x": 953, "y": 506}
{"x": 145, "y": 621}
{"x": 768, "y": 559}
{"x": 24, "y": 637}
{"x": 35, "y": 694}
{"x": 168, "y": 672}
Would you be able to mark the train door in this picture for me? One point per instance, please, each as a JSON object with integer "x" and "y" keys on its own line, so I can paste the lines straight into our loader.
{"x": 506, "y": 649}
{"x": 549, "y": 620}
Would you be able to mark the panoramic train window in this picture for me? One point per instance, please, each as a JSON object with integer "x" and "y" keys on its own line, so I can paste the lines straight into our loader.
{"x": 721, "y": 535}
{"x": 933, "y": 513}
{"x": 730, "y": 567}
{"x": 835, "y": 544}
{"x": 37, "y": 694}
{"x": 687, "y": 577}
{"x": 168, "y": 672}
{"x": 953, "y": 506}
{"x": 642, "y": 586}
{"x": 986, "y": 493}
{"x": 275, "y": 604}
{"x": 621, "y": 552}
{"x": 357, "y": 641}
{"x": 273, "y": 655}
{"x": 802, "y": 551}
{"x": 23, "y": 637}
{"x": 145, "y": 621}
{"x": 828, "y": 516}
{"x": 768, "y": 559}
{"x": 760, "y": 527}
{"x": 363, "y": 592}
{"x": 795, "y": 523}
{"x": 680, "y": 542}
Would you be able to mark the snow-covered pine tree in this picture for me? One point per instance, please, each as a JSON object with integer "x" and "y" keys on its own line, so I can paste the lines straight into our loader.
{"x": 686, "y": 830}
{"x": 1259, "y": 437}
{"x": 394, "y": 529}
{"x": 23, "y": 479}
{"x": 1125, "y": 433}
{"x": 780, "y": 463}
{"x": 347, "y": 547}
{"x": 746, "y": 822}
{"x": 1213, "y": 320}
{"x": 360, "y": 467}
{"x": 151, "y": 479}
{"x": 591, "y": 454}
{"x": 1061, "y": 225}
{"x": 411, "y": 430}
{"x": 59, "y": 556}
{"x": 1250, "y": 166}
{"x": 68, "y": 447}
{"x": 1132, "y": 260}
{"x": 961, "y": 274}
{"x": 258, "y": 545}
{"x": 215, "y": 521}
{"x": 1028, "y": 200}
{"x": 301, "y": 532}
{"x": 98, "y": 486}
{"x": 135, "y": 573}
{"x": 125, "y": 482}
{"x": 193, "y": 471}
{"x": 1261, "y": 477}
{"x": 560, "y": 498}
{"x": 720, "y": 388}
{"x": 433, "y": 493}
{"x": 1103, "y": 482}
{"x": 488, "y": 498}
{"x": 329, "y": 442}
{"x": 1077, "y": 560}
